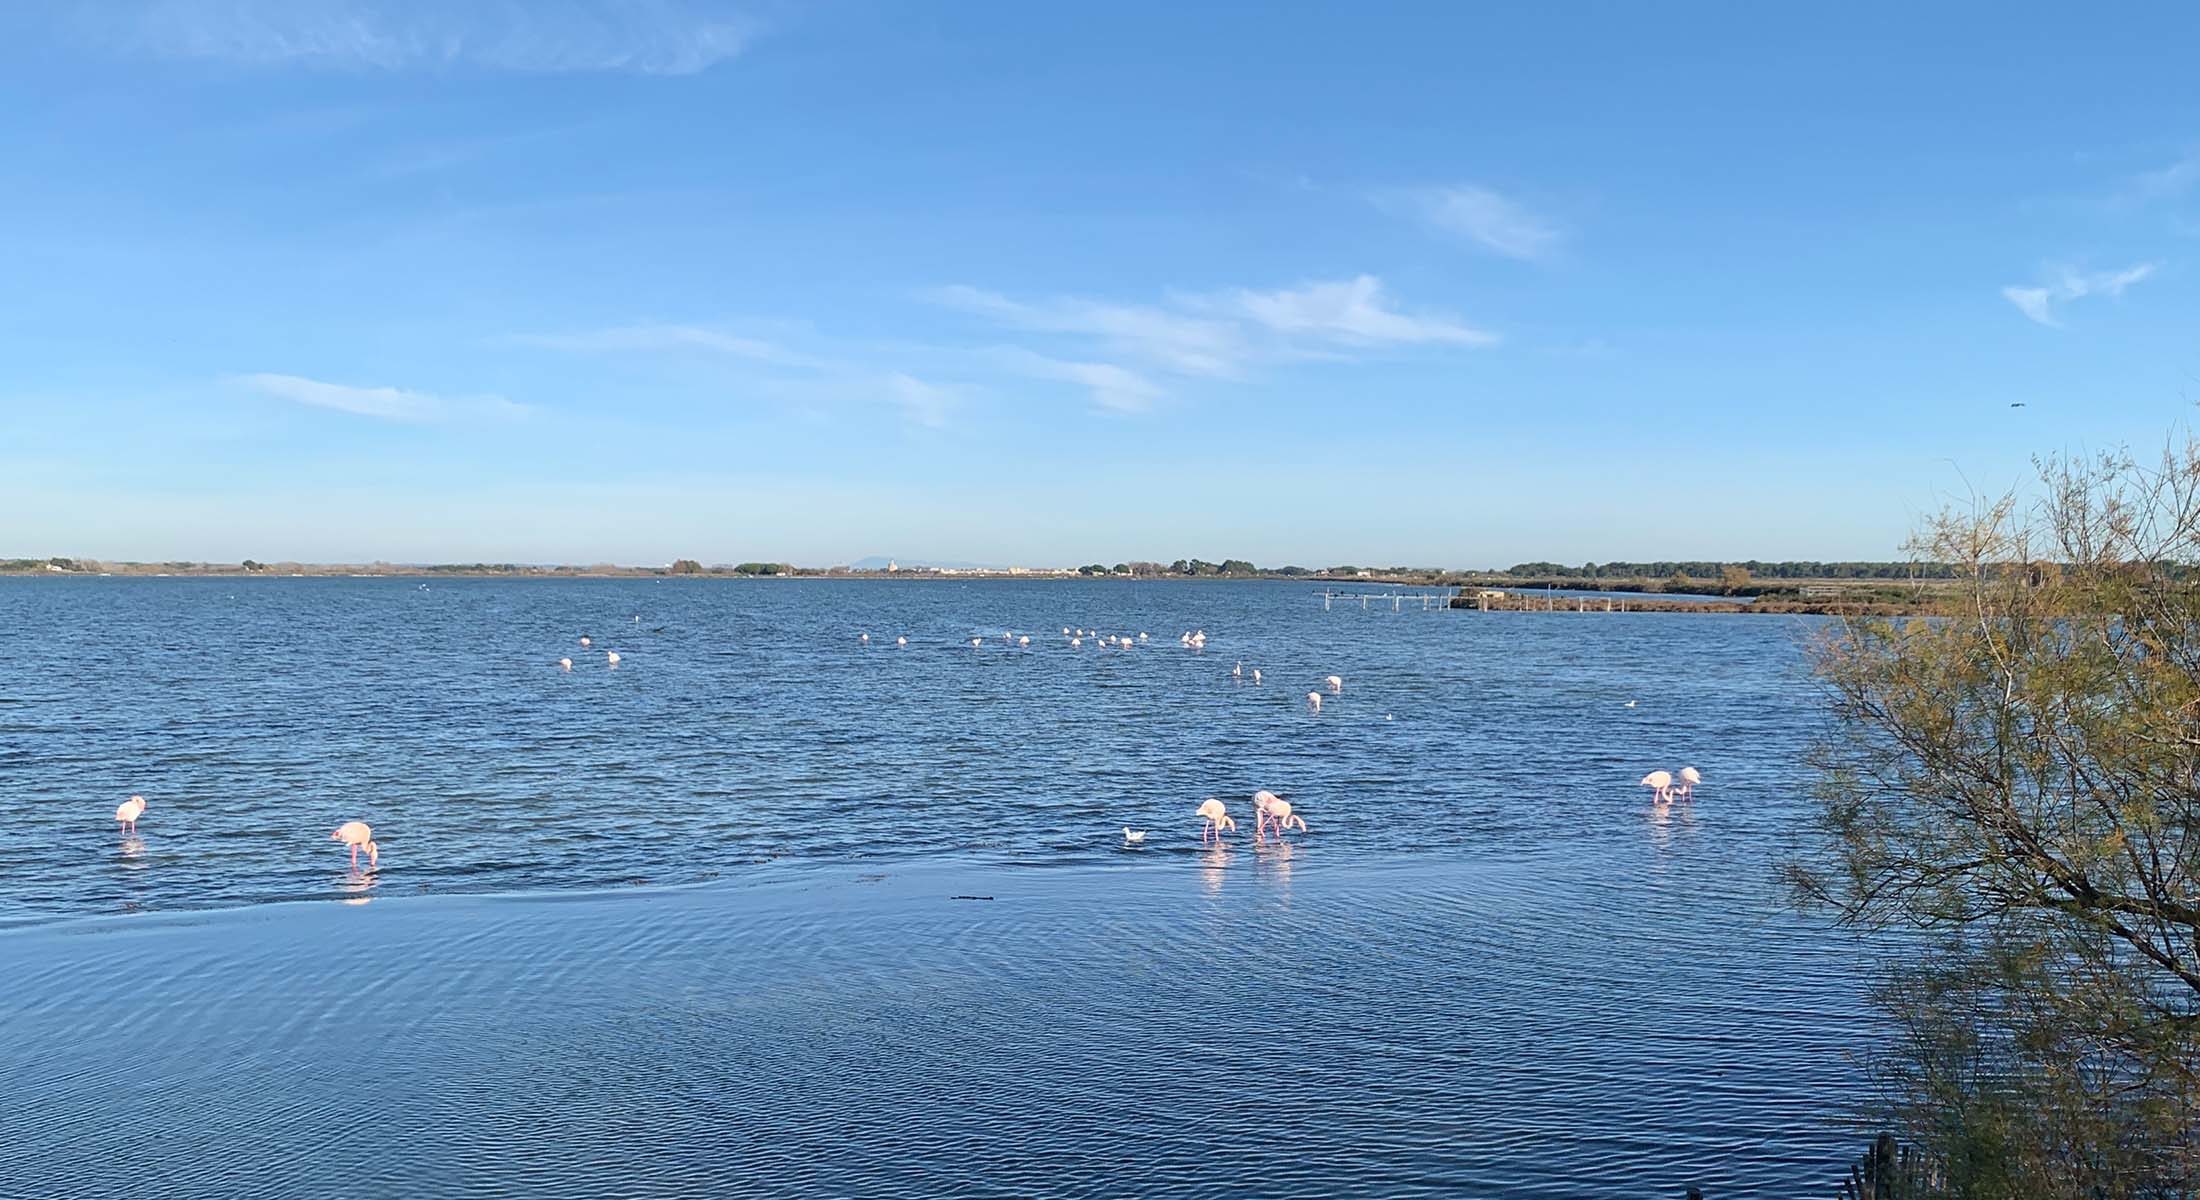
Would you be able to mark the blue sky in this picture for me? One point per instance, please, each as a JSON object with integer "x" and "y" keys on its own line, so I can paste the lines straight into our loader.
{"x": 1435, "y": 284}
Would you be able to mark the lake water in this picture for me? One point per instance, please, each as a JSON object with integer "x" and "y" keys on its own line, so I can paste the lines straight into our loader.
{"x": 1491, "y": 968}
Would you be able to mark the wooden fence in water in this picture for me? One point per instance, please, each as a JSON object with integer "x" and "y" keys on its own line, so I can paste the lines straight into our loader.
{"x": 1888, "y": 1171}
{"x": 1892, "y": 1171}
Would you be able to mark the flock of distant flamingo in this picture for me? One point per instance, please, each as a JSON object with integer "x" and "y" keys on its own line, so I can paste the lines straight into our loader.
{"x": 1270, "y": 811}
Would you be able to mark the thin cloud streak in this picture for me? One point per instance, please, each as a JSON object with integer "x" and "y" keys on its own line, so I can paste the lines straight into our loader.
{"x": 2039, "y": 302}
{"x": 925, "y": 404}
{"x": 1223, "y": 335}
{"x": 654, "y": 338}
{"x": 1480, "y": 215}
{"x": 1114, "y": 388}
{"x": 648, "y": 37}
{"x": 1352, "y": 311}
{"x": 380, "y": 403}
{"x": 1186, "y": 344}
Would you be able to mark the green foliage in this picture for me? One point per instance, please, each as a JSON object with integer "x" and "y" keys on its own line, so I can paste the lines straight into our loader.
{"x": 762, "y": 568}
{"x": 686, "y": 566}
{"x": 2019, "y": 782}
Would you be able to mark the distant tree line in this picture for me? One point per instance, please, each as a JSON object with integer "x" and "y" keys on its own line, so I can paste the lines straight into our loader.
{"x": 1789, "y": 569}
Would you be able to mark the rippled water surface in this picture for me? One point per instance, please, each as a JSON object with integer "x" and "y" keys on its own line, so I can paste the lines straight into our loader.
{"x": 1491, "y": 968}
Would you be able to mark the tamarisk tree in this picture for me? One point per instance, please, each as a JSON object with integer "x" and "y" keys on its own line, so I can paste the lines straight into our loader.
{"x": 2017, "y": 781}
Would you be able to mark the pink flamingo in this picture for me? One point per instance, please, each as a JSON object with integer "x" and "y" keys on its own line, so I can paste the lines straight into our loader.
{"x": 1660, "y": 784}
{"x": 1336, "y": 685}
{"x": 1275, "y": 810}
{"x": 1314, "y": 701}
{"x": 1214, "y": 817}
{"x": 1690, "y": 777}
{"x": 128, "y": 813}
{"x": 358, "y": 835}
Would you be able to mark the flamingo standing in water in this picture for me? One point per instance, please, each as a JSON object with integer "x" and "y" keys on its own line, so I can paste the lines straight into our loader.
{"x": 1660, "y": 784}
{"x": 1690, "y": 777}
{"x": 863, "y": 637}
{"x": 585, "y": 643}
{"x": 1336, "y": 684}
{"x": 1314, "y": 701}
{"x": 611, "y": 658}
{"x": 1262, "y": 801}
{"x": 1256, "y": 674}
{"x": 901, "y": 641}
{"x": 1215, "y": 818}
{"x": 1238, "y": 671}
{"x": 1133, "y": 837}
{"x": 128, "y": 813}
{"x": 565, "y": 664}
{"x": 358, "y": 835}
{"x": 1276, "y": 811}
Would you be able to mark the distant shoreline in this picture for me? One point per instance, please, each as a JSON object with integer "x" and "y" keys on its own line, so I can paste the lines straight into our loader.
{"x": 1792, "y": 597}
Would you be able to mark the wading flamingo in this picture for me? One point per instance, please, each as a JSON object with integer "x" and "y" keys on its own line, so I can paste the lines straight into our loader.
{"x": 1075, "y": 643}
{"x": 1132, "y": 837}
{"x": 565, "y": 664}
{"x": 1314, "y": 701}
{"x": 901, "y": 641}
{"x": 1256, "y": 674}
{"x": 585, "y": 642}
{"x": 358, "y": 836}
{"x": 1336, "y": 684}
{"x": 1238, "y": 671}
{"x": 977, "y": 641}
{"x": 611, "y": 658}
{"x": 1023, "y": 641}
{"x": 1262, "y": 801}
{"x": 1281, "y": 816}
{"x": 1690, "y": 777}
{"x": 128, "y": 813}
{"x": 1660, "y": 784}
{"x": 1215, "y": 818}
{"x": 863, "y": 637}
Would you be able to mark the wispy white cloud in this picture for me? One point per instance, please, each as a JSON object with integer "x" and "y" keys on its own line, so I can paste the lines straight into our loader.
{"x": 652, "y": 37}
{"x": 1216, "y": 335}
{"x": 923, "y": 403}
{"x": 1115, "y": 388}
{"x": 2166, "y": 182}
{"x": 1352, "y": 311}
{"x": 1481, "y": 215}
{"x": 2039, "y": 302}
{"x": 1184, "y": 343}
{"x": 645, "y": 338}
{"x": 382, "y": 403}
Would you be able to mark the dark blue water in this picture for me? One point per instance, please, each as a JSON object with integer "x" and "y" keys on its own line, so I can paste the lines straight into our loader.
{"x": 1491, "y": 968}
